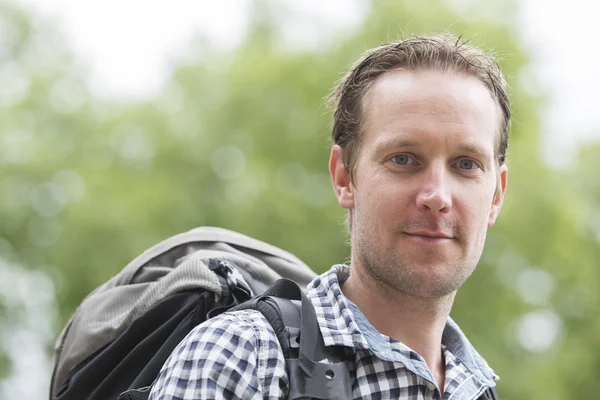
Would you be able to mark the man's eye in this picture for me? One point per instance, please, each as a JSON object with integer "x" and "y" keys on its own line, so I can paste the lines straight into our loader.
{"x": 467, "y": 164}
{"x": 403, "y": 159}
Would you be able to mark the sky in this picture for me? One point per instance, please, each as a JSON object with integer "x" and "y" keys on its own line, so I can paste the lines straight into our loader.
{"x": 131, "y": 59}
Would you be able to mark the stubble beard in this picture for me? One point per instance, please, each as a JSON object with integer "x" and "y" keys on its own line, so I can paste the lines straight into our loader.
{"x": 390, "y": 269}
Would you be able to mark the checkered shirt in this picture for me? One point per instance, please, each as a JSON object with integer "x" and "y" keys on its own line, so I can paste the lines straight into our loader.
{"x": 236, "y": 355}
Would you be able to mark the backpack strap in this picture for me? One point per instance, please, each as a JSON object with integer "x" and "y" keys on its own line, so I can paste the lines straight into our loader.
{"x": 311, "y": 372}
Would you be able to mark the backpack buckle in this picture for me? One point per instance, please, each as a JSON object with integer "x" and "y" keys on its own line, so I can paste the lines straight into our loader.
{"x": 232, "y": 276}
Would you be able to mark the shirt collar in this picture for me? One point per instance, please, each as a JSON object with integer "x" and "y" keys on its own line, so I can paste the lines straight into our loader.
{"x": 342, "y": 324}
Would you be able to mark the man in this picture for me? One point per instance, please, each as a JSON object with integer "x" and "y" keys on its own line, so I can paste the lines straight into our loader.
{"x": 420, "y": 137}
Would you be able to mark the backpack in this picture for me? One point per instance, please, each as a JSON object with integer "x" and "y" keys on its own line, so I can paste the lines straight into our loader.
{"x": 118, "y": 339}
{"x": 123, "y": 332}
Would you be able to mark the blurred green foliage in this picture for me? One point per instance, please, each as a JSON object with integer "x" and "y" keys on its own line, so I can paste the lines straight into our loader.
{"x": 239, "y": 139}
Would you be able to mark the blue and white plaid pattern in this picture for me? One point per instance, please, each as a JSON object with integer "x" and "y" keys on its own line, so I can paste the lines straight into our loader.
{"x": 237, "y": 356}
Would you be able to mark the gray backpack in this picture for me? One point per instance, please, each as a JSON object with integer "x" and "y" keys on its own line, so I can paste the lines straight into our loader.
{"x": 123, "y": 332}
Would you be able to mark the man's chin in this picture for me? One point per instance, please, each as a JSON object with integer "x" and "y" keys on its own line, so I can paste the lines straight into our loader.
{"x": 431, "y": 289}
{"x": 429, "y": 280}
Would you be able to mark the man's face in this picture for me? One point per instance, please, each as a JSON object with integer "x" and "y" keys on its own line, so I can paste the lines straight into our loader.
{"x": 426, "y": 185}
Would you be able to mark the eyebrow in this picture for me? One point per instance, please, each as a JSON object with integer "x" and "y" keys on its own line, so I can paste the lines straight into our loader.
{"x": 395, "y": 143}
{"x": 384, "y": 145}
{"x": 474, "y": 149}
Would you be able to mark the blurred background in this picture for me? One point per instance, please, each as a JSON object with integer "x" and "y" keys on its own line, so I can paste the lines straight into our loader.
{"x": 125, "y": 122}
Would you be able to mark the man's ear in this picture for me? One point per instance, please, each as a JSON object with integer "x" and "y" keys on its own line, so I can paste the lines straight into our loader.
{"x": 340, "y": 178}
{"x": 499, "y": 195}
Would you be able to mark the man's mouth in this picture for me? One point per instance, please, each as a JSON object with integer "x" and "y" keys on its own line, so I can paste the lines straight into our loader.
{"x": 429, "y": 237}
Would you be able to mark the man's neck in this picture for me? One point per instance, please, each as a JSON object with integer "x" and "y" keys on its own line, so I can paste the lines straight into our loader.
{"x": 417, "y": 322}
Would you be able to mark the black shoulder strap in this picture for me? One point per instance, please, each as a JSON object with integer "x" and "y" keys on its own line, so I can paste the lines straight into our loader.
{"x": 294, "y": 320}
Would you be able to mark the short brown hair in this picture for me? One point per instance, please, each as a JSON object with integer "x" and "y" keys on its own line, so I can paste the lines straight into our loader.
{"x": 443, "y": 52}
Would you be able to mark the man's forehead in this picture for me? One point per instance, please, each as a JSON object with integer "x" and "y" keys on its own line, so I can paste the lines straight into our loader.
{"x": 415, "y": 99}
{"x": 414, "y": 87}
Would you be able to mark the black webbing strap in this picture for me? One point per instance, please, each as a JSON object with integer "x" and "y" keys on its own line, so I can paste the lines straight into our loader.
{"x": 311, "y": 374}
{"x": 310, "y": 338}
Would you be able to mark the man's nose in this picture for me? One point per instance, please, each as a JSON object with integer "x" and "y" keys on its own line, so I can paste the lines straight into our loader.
{"x": 434, "y": 190}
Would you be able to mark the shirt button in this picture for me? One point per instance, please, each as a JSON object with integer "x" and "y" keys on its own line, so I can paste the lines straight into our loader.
{"x": 430, "y": 386}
